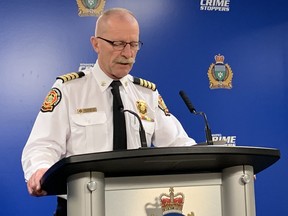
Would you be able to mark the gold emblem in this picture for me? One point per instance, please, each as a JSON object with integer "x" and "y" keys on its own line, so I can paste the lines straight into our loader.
{"x": 90, "y": 7}
{"x": 220, "y": 75}
{"x": 142, "y": 109}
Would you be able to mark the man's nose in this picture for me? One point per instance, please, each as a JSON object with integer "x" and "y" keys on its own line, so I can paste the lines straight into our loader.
{"x": 127, "y": 51}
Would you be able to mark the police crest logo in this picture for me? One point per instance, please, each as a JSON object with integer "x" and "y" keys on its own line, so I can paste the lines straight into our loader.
{"x": 220, "y": 75}
{"x": 52, "y": 99}
{"x": 90, "y": 7}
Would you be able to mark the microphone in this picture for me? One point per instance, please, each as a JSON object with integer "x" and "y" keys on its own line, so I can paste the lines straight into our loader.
{"x": 193, "y": 110}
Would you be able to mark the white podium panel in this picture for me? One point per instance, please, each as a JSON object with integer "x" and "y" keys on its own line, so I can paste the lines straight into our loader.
{"x": 214, "y": 194}
{"x": 141, "y": 195}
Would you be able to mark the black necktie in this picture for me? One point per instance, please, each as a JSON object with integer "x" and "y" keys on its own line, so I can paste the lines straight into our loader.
{"x": 119, "y": 125}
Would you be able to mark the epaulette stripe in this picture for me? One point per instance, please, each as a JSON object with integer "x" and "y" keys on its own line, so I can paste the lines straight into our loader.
{"x": 71, "y": 76}
{"x": 75, "y": 75}
{"x": 144, "y": 83}
{"x": 149, "y": 85}
{"x": 64, "y": 78}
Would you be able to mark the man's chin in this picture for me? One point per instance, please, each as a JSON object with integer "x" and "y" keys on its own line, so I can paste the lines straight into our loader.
{"x": 121, "y": 73}
{"x": 123, "y": 69}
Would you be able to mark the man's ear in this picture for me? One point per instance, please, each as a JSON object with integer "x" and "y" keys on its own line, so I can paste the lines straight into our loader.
{"x": 94, "y": 43}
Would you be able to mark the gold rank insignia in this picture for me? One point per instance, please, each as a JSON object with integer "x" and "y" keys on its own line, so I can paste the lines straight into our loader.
{"x": 220, "y": 75}
{"x": 71, "y": 76}
{"x": 90, "y": 7}
{"x": 52, "y": 99}
{"x": 142, "y": 109}
{"x": 163, "y": 106}
{"x": 144, "y": 83}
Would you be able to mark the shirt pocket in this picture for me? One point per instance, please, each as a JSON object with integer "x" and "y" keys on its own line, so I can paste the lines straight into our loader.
{"x": 89, "y": 132}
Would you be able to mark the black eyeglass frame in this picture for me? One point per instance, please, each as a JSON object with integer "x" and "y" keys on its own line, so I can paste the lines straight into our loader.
{"x": 123, "y": 44}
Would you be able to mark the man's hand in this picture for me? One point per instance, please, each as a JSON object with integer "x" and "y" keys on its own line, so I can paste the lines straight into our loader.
{"x": 33, "y": 184}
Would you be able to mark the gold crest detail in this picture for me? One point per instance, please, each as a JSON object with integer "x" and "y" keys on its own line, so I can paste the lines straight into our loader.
{"x": 90, "y": 7}
{"x": 220, "y": 75}
{"x": 163, "y": 106}
{"x": 142, "y": 109}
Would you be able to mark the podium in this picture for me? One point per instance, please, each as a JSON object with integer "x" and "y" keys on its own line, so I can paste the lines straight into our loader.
{"x": 218, "y": 178}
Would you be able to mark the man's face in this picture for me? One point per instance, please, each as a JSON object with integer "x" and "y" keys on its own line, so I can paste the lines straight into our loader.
{"x": 115, "y": 62}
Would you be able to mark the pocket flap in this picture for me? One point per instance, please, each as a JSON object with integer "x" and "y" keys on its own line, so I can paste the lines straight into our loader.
{"x": 86, "y": 119}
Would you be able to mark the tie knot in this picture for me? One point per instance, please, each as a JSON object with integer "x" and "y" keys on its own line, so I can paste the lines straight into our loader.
{"x": 115, "y": 84}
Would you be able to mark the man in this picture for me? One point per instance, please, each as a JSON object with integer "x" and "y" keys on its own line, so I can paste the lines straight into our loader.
{"x": 76, "y": 116}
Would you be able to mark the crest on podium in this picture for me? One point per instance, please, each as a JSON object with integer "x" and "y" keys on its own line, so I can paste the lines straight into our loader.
{"x": 172, "y": 204}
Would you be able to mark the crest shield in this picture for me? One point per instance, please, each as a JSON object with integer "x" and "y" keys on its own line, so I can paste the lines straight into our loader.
{"x": 91, "y": 4}
{"x": 90, "y": 7}
{"x": 220, "y": 72}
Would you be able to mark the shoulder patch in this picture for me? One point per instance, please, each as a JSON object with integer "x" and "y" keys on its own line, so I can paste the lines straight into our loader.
{"x": 144, "y": 83}
{"x": 71, "y": 76}
{"x": 52, "y": 99}
{"x": 162, "y": 106}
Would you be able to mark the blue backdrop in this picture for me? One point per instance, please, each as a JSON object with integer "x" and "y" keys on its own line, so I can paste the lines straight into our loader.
{"x": 40, "y": 40}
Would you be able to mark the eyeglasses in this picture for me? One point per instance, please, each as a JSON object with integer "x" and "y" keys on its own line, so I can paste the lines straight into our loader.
{"x": 120, "y": 45}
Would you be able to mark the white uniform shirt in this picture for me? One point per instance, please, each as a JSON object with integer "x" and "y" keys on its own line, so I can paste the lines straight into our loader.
{"x": 66, "y": 131}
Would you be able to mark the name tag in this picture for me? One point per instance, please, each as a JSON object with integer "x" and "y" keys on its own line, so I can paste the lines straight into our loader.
{"x": 87, "y": 110}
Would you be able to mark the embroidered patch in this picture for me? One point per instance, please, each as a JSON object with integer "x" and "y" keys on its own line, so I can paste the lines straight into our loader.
{"x": 162, "y": 106}
{"x": 52, "y": 99}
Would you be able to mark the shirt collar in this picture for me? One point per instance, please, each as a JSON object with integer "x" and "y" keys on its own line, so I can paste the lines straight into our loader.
{"x": 104, "y": 81}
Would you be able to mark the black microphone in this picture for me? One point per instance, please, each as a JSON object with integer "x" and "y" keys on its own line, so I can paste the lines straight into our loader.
{"x": 193, "y": 110}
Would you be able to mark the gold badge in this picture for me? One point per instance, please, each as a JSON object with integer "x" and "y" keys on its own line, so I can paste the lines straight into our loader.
{"x": 142, "y": 109}
{"x": 52, "y": 100}
{"x": 90, "y": 7}
{"x": 163, "y": 106}
{"x": 220, "y": 75}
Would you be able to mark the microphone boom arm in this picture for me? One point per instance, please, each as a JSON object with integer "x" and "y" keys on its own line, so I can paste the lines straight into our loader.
{"x": 193, "y": 110}
{"x": 141, "y": 129}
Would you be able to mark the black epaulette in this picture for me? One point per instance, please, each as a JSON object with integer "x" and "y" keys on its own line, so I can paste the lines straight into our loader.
{"x": 144, "y": 83}
{"x": 71, "y": 76}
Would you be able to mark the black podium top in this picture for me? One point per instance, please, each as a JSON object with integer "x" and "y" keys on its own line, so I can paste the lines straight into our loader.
{"x": 157, "y": 161}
